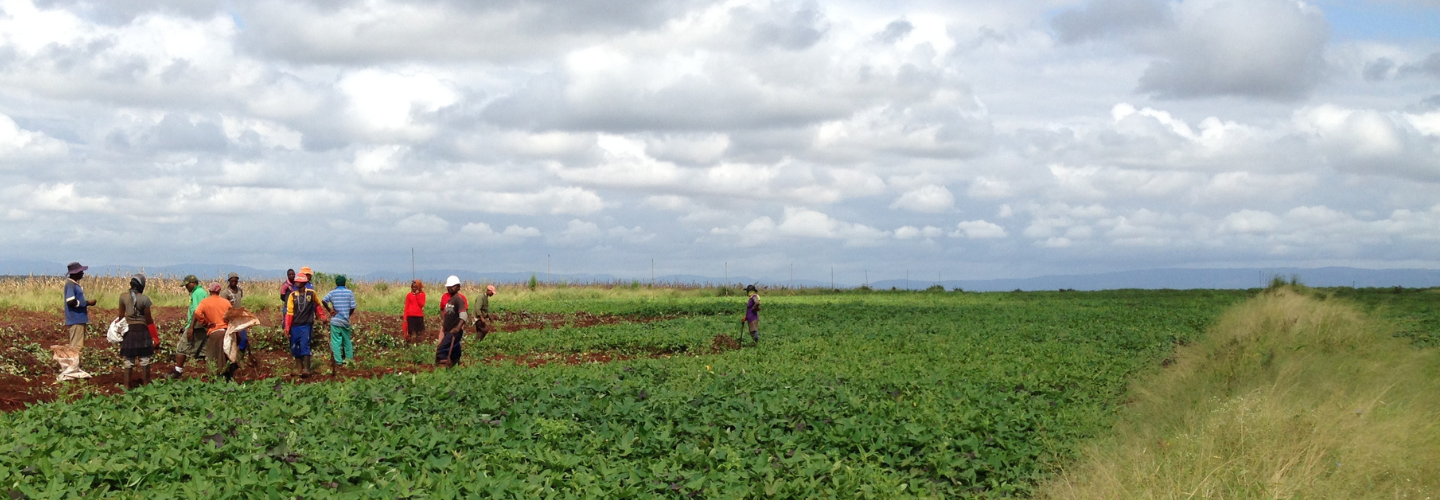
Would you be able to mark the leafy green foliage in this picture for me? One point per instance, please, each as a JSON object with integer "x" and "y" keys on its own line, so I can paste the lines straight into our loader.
{"x": 866, "y": 395}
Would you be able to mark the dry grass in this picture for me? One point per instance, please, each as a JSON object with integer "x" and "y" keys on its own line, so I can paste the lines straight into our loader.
{"x": 1289, "y": 396}
{"x": 43, "y": 293}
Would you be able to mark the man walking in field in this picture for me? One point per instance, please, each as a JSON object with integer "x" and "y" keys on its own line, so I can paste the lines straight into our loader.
{"x": 301, "y": 311}
{"x": 752, "y": 313}
{"x": 452, "y": 324}
{"x": 191, "y": 343}
{"x": 415, "y": 312}
{"x": 77, "y": 309}
{"x": 340, "y": 302}
{"x": 236, "y": 295}
{"x": 483, "y": 321}
{"x": 210, "y": 318}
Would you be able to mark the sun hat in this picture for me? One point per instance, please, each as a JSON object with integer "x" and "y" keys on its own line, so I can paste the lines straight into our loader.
{"x": 189, "y": 278}
{"x": 490, "y": 288}
{"x": 75, "y": 267}
{"x": 214, "y": 287}
{"x": 750, "y": 288}
{"x": 300, "y": 278}
{"x": 306, "y": 270}
{"x": 452, "y": 281}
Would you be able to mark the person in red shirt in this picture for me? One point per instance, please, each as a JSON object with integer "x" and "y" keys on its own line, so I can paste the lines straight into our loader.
{"x": 415, "y": 312}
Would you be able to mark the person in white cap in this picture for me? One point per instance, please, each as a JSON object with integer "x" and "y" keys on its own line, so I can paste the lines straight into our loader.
{"x": 452, "y": 324}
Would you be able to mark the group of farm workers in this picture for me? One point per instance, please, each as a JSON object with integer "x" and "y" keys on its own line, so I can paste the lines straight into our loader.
{"x": 216, "y": 326}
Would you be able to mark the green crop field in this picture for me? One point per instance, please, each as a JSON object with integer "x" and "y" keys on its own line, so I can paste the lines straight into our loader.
{"x": 875, "y": 395}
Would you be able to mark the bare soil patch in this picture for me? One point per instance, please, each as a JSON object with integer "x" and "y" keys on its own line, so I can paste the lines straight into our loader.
{"x": 27, "y": 372}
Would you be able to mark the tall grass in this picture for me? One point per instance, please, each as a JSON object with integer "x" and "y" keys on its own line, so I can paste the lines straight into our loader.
{"x": 44, "y": 293}
{"x": 1290, "y": 395}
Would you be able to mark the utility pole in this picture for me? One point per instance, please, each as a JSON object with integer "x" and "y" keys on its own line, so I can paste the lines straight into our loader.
{"x": 792, "y": 278}
{"x": 867, "y": 278}
{"x": 832, "y": 278}
{"x": 652, "y": 273}
{"x": 548, "y": 279}
{"x": 727, "y": 274}
{"x": 907, "y": 279}
{"x": 412, "y": 263}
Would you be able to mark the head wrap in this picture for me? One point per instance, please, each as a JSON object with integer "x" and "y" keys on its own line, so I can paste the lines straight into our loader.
{"x": 340, "y": 280}
{"x": 419, "y": 284}
{"x": 137, "y": 283}
{"x": 214, "y": 287}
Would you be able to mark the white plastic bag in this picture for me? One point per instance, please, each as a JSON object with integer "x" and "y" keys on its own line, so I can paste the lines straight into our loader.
{"x": 117, "y": 330}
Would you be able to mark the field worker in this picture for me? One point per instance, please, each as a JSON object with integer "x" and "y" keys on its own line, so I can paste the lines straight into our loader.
{"x": 752, "y": 313}
{"x": 483, "y": 321}
{"x": 340, "y": 302}
{"x": 301, "y": 311}
{"x": 287, "y": 287}
{"x": 191, "y": 344}
{"x": 210, "y": 318}
{"x": 138, "y": 346}
{"x": 309, "y": 277}
{"x": 452, "y": 324}
{"x": 77, "y": 307}
{"x": 415, "y": 312}
{"x": 236, "y": 295}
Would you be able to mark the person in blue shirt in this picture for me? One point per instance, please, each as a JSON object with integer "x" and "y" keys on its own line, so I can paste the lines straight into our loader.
{"x": 77, "y": 307}
{"x": 340, "y": 303}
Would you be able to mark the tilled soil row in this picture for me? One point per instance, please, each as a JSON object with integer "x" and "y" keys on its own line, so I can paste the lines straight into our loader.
{"x": 26, "y": 336}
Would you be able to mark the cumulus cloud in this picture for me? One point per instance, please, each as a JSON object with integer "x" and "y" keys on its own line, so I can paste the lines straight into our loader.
{"x": 806, "y": 224}
{"x": 978, "y": 230}
{"x": 1375, "y": 142}
{"x": 682, "y": 128}
{"x": 927, "y": 199}
{"x": 1104, "y": 18}
{"x": 1258, "y": 48}
{"x": 1269, "y": 49}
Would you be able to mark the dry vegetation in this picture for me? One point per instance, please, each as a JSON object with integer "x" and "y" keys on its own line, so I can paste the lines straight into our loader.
{"x": 1289, "y": 396}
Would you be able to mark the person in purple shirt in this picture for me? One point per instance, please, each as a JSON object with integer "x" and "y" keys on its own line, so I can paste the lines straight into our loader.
{"x": 752, "y": 313}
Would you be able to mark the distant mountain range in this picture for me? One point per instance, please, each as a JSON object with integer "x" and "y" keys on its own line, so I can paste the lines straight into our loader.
{"x": 1144, "y": 279}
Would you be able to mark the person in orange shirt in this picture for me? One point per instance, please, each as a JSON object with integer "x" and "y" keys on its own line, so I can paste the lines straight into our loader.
{"x": 211, "y": 314}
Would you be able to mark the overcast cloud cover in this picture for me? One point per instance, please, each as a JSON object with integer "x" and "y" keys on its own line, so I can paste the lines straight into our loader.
{"x": 979, "y": 139}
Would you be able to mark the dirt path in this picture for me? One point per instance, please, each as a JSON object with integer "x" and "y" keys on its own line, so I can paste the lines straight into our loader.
{"x": 27, "y": 372}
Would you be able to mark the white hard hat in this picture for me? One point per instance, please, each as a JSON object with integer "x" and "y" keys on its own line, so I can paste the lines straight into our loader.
{"x": 452, "y": 281}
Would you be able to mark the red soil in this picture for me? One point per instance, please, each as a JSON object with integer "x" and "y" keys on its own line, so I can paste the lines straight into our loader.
{"x": 21, "y": 328}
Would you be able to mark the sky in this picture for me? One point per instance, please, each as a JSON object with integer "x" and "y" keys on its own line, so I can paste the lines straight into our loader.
{"x": 961, "y": 139}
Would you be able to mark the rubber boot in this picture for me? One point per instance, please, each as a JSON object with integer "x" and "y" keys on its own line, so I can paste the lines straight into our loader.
{"x": 129, "y": 377}
{"x": 300, "y": 365}
{"x": 145, "y": 374}
{"x": 309, "y": 365}
{"x": 755, "y": 335}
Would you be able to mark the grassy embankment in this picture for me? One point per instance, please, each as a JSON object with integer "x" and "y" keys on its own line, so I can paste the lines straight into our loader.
{"x": 1294, "y": 394}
